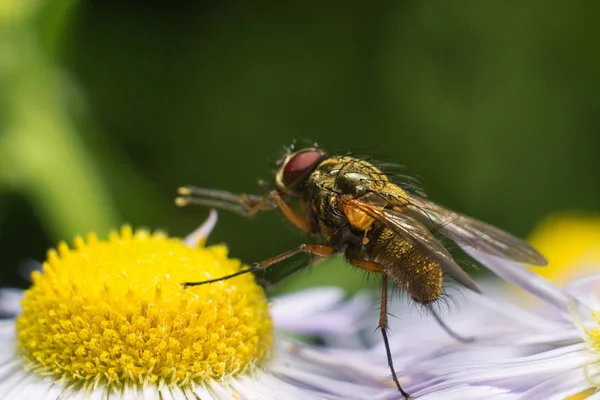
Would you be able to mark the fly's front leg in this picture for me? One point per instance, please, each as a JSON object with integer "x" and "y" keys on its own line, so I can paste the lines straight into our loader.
{"x": 299, "y": 221}
{"x": 245, "y": 205}
{"x": 319, "y": 250}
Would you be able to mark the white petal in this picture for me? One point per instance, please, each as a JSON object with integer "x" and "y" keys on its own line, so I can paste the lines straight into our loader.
{"x": 266, "y": 386}
{"x": 17, "y": 384}
{"x": 97, "y": 394}
{"x": 7, "y": 334}
{"x": 27, "y": 267}
{"x": 510, "y": 374}
{"x": 330, "y": 385}
{"x": 517, "y": 274}
{"x": 306, "y": 302}
{"x": 559, "y": 387}
{"x": 10, "y": 302}
{"x": 133, "y": 393}
{"x": 11, "y": 375}
{"x": 595, "y": 396}
{"x": 466, "y": 392}
{"x": 586, "y": 291}
{"x": 355, "y": 366}
{"x": 319, "y": 311}
{"x": 35, "y": 388}
{"x": 558, "y": 337}
{"x": 172, "y": 393}
{"x": 202, "y": 392}
{"x": 201, "y": 233}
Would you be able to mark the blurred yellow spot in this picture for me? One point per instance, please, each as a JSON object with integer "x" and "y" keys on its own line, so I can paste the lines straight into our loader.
{"x": 114, "y": 312}
{"x": 571, "y": 244}
{"x": 582, "y": 395}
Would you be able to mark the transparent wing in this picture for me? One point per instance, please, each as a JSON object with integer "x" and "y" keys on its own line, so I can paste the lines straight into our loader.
{"x": 470, "y": 232}
{"x": 419, "y": 235}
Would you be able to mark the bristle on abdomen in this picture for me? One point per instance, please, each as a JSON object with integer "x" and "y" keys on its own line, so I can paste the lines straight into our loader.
{"x": 406, "y": 266}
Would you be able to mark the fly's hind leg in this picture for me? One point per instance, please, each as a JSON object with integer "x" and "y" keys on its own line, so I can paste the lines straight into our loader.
{"x": 383, "y": 327}
{"x": 447, "y": 329}
{"x": 371, "y": 266}
{"x": 318, "y": 250}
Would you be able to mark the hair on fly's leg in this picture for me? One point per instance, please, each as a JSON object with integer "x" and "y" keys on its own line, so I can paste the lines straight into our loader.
{"x": 383, "y": 328}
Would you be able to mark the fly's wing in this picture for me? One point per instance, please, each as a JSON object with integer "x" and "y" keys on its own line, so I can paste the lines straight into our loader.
{"x": 470, "y": 232}
{"x": 419, "y": 235}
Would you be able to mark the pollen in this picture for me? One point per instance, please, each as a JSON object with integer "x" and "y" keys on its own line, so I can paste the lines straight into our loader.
{"x": 594, "y": 333}
{"x": 115, "y": 312}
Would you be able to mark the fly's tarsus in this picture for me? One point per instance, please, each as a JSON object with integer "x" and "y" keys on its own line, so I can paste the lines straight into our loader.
{"x": 241, "y": 204}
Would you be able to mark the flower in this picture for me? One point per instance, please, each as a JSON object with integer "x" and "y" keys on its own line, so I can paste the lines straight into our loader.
{"x": 109, "y": 318}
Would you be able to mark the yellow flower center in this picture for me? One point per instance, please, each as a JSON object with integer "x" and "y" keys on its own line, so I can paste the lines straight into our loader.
{"x": 594, "y": 333}
{"x": 114, "y": 312}
{"x": 592, "y": 338}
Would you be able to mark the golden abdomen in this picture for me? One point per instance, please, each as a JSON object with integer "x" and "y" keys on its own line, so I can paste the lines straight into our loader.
{"x": 406, "y": 266}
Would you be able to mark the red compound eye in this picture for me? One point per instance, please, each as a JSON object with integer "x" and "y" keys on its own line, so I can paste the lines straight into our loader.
{"x": 298, "y": 164}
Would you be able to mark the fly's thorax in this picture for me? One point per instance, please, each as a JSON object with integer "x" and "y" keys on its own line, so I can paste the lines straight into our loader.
{"x": 358, "y": 178}
{"x": 337, "y": 177}
{"x": 406, "y": 265}
{"x": 348, "y": 175}
{"x": 324, "y": 212}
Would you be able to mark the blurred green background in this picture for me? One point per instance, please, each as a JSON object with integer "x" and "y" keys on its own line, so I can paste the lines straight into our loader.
{"x": 106, "y": 108}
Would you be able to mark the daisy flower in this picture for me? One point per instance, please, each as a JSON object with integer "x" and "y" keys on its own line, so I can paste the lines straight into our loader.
{"x": 110, "y": 319}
